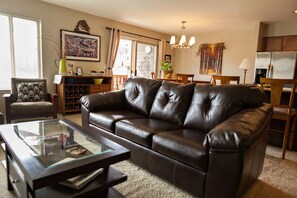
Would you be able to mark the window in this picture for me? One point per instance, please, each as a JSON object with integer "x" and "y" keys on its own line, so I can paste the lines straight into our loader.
{"x": 136, "y": 57}
{"x": 19, "y": 49}
{"x": 123, "y": 62}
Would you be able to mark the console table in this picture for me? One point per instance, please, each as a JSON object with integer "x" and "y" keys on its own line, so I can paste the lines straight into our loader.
{"x": 71, "y": 88}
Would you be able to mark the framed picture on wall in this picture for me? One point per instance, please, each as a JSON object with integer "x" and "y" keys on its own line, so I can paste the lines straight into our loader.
{"x": 78, "y": 46}
{"x": 167, "y": 58}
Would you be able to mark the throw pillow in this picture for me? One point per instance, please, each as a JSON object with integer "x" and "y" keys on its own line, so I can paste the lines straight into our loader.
{"x": 30, "y": 92}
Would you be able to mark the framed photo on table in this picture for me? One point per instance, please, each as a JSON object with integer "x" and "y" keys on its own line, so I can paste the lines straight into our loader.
{"x": 79, "y": 71}
{"x": 79, "y": 46}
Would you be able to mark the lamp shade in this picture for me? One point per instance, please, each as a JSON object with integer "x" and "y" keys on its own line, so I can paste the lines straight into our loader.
{"x": 245, "y": 64}
{"x": 172, "y": 40}
{"x": 192, "y": 41}
{"x": 182, "y": 40}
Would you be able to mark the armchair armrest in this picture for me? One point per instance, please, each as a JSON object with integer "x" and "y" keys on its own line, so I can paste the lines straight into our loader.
{"x": 102, "y": 101}
{"x": 240, "y": 131}
{"x": 53, "y": 98}
{"x": 6, "y": 96}
{"x": 8, "y": 101}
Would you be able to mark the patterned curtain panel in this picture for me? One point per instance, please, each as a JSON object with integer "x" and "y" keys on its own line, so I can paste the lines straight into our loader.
{"x": 211, "y": 58}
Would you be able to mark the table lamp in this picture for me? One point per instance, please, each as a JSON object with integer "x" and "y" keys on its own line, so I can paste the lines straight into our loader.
{"x": 245, "y": 65}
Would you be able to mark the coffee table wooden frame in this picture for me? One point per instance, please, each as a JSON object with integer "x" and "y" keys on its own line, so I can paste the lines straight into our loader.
{"x": 28, "y": 177}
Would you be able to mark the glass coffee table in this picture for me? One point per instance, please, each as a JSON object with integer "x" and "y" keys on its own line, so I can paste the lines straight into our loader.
{"x": 43, "y": 157}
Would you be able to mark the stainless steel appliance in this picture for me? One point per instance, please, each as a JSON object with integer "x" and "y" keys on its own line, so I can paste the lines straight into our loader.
{"x": 275, "y": 65}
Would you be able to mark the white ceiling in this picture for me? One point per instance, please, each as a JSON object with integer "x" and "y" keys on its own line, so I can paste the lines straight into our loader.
{"x": 201, "y": 15}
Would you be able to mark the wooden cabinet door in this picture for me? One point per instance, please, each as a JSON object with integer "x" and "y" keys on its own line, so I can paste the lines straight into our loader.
{"x": 271, "y": 44}
{"x": 290, "y": 43}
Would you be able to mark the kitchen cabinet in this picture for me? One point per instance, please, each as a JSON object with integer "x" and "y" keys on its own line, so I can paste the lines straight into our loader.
{"x": 290, "y": 43}
{"x": 71, "y": 88}
{"x": 280, "y": 43}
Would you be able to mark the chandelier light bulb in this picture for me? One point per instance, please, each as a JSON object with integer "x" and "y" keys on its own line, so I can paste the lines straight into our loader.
{"x": 192, "y": 41}
{"x": 181, "y": 41}
{"x": 172, "y": 40}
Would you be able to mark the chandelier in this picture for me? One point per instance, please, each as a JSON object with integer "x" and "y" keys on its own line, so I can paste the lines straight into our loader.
{"x": 181, "y": 41}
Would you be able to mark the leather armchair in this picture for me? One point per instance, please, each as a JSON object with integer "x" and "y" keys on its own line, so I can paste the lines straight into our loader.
{"x": 18, "y": 109}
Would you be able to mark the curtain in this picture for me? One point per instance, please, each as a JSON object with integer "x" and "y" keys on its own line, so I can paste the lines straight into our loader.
{"x": 114, "y": 41}
{"x": 162, "y": 48}
{"x": 161, "y": 54}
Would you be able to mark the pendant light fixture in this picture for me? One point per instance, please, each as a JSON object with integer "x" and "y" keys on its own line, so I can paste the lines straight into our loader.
{"x": 181, "y": 41}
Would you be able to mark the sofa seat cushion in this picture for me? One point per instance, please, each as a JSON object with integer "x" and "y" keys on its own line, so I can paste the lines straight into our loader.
{"x": 35, "y": 108}
{"x": 185, "y": 145}
{"x": 141, "y": 131}
{"x": 107, "y": 119}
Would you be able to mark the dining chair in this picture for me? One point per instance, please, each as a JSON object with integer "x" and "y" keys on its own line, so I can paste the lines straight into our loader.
{"x": 184, "y": 78}
{"x": 153, "y": 75}
{"x": 282, "y": 110}
{"x": 118, "y": 81}
{"x": 224, "y": 79}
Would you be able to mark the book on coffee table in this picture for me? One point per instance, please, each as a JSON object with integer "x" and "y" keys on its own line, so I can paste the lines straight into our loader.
{"x": 80, "y": 181}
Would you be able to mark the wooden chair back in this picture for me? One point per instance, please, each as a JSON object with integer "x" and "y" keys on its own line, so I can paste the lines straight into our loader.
{"x": 281, "y": 110}
{"x": 184, "y": 78}
{"x": 276, "y": 89}
{"x": 225, "y": 79}
{"x": 118, "y": 81}
{"x": 153, "y": 75}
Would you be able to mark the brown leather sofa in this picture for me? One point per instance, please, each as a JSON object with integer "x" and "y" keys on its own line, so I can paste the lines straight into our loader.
{"x": 208, "y": 140}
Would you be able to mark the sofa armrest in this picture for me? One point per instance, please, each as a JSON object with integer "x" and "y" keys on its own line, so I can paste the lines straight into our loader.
{"x": 240, "y": 131}
{"x": 103, "y": 101}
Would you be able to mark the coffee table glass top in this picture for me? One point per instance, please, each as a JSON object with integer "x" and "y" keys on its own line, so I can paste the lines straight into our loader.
{"x": 55, "y": 142}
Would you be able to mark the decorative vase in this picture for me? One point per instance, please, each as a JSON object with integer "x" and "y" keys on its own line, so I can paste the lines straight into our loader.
{"x": 166, "y": 74}
{"x": 62, "y": 66}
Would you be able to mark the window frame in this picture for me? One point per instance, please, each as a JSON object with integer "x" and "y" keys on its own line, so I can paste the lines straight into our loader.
{"x": 12, "y": 45}
{"x": 135, "y": 41}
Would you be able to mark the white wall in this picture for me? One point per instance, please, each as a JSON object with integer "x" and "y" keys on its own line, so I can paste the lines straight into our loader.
{"x": 240, "y": 43}
{"x": 280, "y": 28}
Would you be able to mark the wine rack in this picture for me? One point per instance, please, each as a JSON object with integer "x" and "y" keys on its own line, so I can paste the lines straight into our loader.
{"x": 71, "y": 88}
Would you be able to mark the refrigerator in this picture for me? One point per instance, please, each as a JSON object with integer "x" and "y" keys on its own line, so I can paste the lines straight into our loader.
{"x": 275, "y": 65}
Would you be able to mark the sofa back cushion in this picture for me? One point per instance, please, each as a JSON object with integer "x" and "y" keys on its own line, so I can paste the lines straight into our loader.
{"x": 140, "y": 94}
{"x": 212, "y": 105}
{"x": 172, "y": 102}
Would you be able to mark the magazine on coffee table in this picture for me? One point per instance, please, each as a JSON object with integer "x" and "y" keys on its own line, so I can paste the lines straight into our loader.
{"x": 80, "y": 181}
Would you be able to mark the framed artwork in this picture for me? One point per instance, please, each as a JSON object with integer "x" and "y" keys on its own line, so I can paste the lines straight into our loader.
{"x": 70, "y": 67}
{"x": 211, "y": 57}
{"x": 79, "y": 71}
{"x": 167, "y": 58}
{"x": 79, "y": 46}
